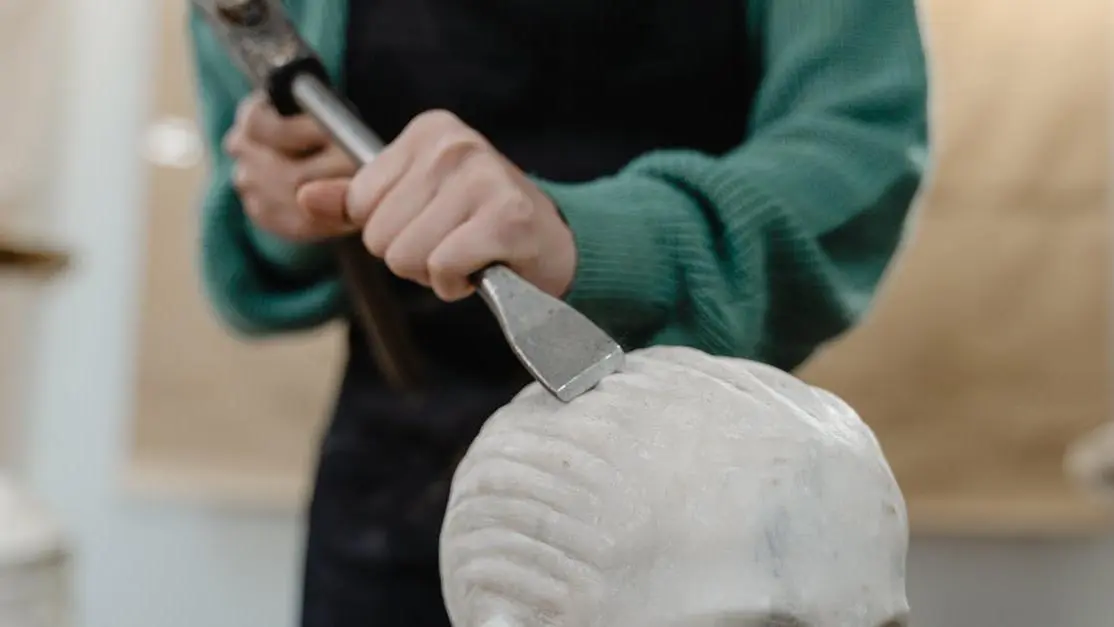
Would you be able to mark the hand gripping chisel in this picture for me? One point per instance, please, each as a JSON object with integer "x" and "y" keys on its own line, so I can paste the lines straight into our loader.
{"x": 563, "y": 350}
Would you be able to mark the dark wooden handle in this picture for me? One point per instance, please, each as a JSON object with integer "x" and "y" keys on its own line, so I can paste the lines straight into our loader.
{"x": 389, "y": 337}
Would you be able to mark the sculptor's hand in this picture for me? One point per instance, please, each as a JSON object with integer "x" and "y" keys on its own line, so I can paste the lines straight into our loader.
{"x": 440, "y": 203}
{"x": 274, "y": 157}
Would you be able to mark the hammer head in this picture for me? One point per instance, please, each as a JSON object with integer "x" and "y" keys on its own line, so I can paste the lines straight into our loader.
{"x": 264, "y": 44}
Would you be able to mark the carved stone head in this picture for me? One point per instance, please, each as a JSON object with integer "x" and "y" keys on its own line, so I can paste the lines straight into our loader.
{"x": 685, "y": 491}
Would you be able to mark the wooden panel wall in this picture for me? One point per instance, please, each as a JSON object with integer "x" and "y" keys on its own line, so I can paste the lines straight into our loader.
{"x": 988, "y": 351}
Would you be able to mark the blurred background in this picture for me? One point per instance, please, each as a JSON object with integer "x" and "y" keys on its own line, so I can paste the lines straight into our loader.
{"x": 983, "y": 365}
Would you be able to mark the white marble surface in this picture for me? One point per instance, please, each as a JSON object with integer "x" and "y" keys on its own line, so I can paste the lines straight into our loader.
{"x": 685, "y": 489}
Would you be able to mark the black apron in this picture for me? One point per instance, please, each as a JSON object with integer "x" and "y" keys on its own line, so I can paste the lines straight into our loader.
{"x": 569, "y": 90}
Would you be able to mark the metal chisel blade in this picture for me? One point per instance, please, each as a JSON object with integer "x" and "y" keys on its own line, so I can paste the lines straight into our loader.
{"x": 563, "y": 350}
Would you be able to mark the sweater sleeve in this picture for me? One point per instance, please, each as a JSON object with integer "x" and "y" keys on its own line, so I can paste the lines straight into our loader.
{"x": 776, "y": 246}
{"x": 257, "y": 283}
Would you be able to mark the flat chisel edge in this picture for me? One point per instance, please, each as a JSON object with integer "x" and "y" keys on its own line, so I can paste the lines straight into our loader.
{"x": 560, "y": 347}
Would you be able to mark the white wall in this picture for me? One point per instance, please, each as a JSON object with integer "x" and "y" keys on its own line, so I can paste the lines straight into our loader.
{"x": 139, "y": 565}
{"x": 148, "y": 565}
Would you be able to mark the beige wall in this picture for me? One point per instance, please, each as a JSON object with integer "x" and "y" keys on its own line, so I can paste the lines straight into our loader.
{"x": 988, "y": 351}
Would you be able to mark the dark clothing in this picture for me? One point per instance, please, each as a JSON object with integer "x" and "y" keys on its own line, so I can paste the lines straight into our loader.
{"x": 381, "y": 491}
{"x": 569, "y": 90}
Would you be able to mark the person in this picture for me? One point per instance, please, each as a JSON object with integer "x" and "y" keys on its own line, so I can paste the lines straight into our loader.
{"x": 731, "y": 176}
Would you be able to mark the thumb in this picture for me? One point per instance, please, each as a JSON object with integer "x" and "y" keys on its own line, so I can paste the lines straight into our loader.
{"x": 325, "y": 199}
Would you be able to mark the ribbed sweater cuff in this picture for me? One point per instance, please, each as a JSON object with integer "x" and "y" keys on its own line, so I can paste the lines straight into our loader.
{"x": 297, "y": 262}
{"x": 624, "y": 242}
{"x": 259, "y": 283}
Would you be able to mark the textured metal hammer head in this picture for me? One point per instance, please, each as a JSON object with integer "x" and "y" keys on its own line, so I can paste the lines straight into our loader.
{"x": 264, "y": 45}
{"x": 256, "y": 34}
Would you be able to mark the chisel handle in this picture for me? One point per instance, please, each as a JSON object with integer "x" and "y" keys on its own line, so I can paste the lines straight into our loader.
{"x": 390, "y": 338}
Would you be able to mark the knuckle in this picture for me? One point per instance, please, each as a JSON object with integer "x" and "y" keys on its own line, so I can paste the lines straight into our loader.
{"x": 313, "y": 212}
{"x": 316, "y": 211}
{"x": 257, "y": 118}
{"x": 360, "y": 197}
{"x": 253, "y": 208}
{"x": 242, "y": 111}
{"x": 248, "y": 111}
{"x": 233, "y": 141}
{"x": 484, "y": 179}
{"x": 450, "y": 288}
{"x": 441, "y": 270}
{"x": 403, "y": 263}
{"x": 453, "y": 147}
{"x": 437, "y": 120}
{"x": 514, "y": 216}
{"x": 241, "y": 177}
{"x": 375, "y": 243}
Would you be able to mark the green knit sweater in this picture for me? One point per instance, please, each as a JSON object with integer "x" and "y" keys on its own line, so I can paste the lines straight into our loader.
{"x": 764, "y": 252}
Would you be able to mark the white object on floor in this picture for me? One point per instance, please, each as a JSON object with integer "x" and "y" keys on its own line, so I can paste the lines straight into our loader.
{"x": 685, "y": 491}
{"x": 34, "y": 561}
{"x": 1090, "y": 463}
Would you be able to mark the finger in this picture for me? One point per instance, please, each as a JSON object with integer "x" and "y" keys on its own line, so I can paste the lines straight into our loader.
{"x": 464, "y": 252}
{"x": 404, "y": 202}
{"x": 265, "y": 176}
{"x": 252, "y": 165}
{"x": 434, "y": 124}
{"x": 294, "y": 136}
{"x": 233, "y": 142}
{"x": 500, "y": 231}
{"x": 247, "y": 107}
{"x": 259, "y": 180}
{"x": 461, "y": 254}
{"x": 242, "y": 180}
{"x": 293, "y": 226}
{"x": 333, "y": 168}
{"x": 252, "y": 107}
{"x": 330, "y": 163}
{"x": 373, "y": 181}
{"x": 436, "y": 159}
{"x": 325, "y": 200}
{"x": 442, "y": 139}
{"x": 408, "y": 254}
